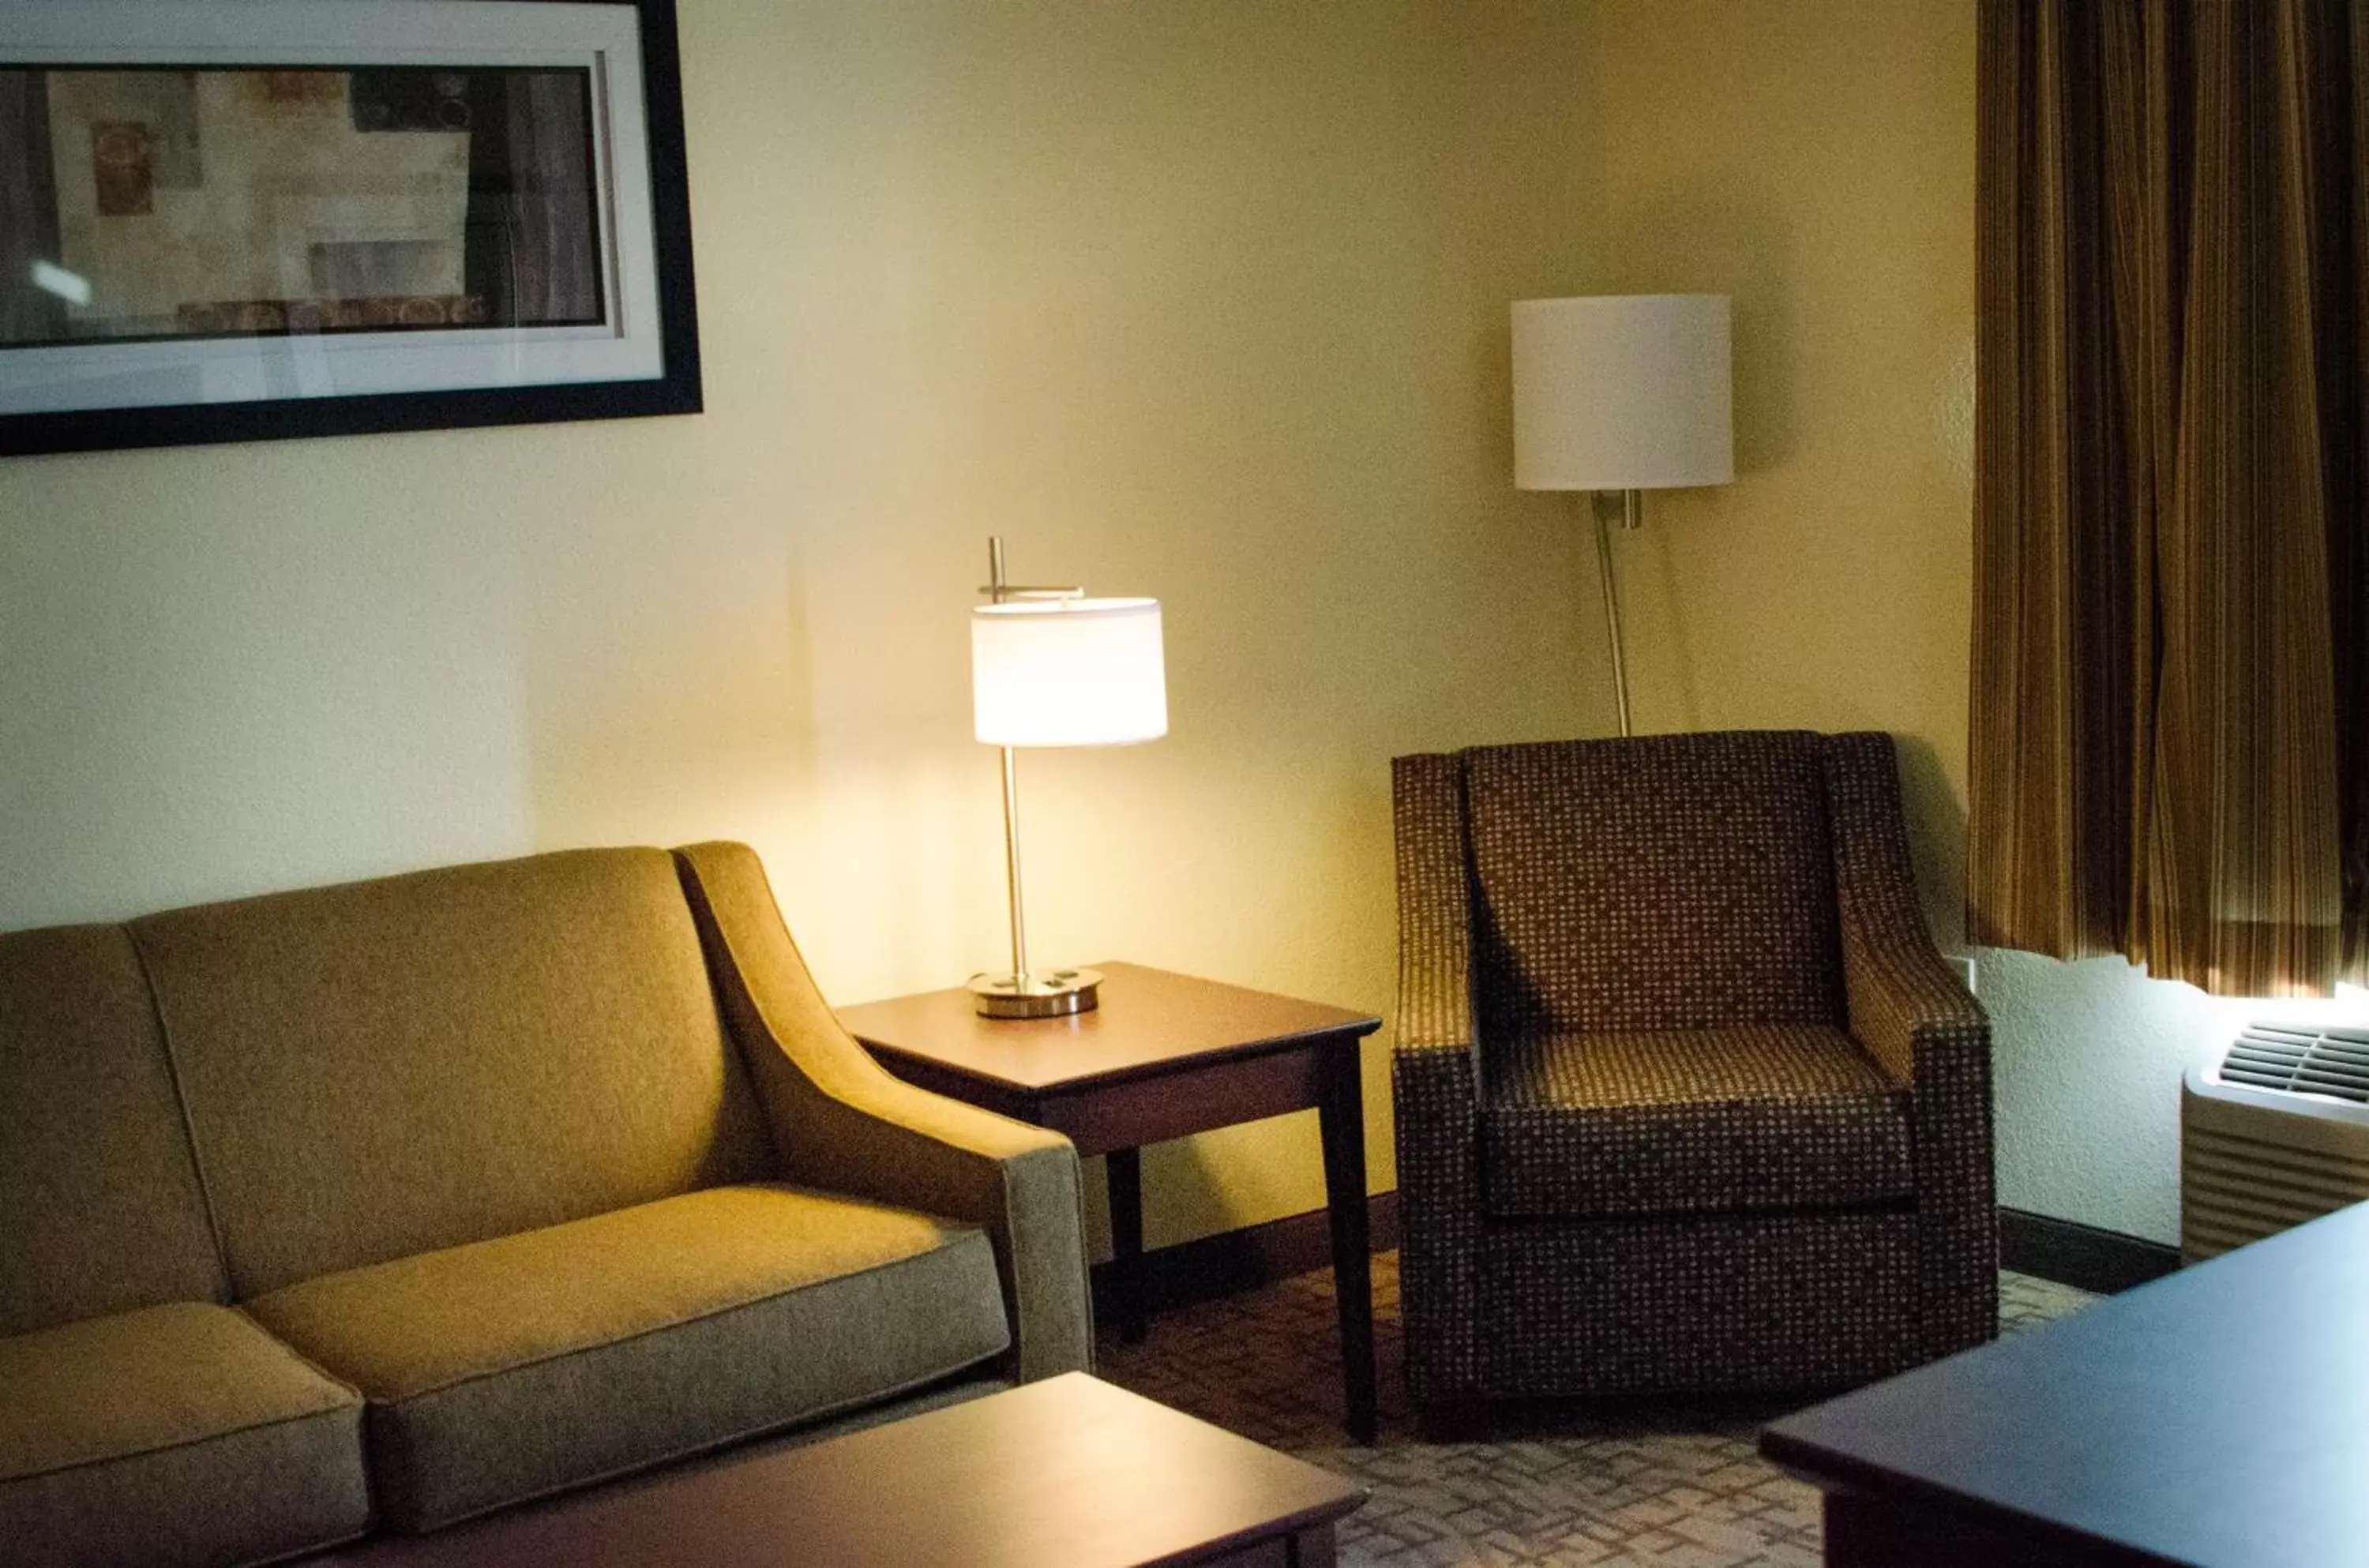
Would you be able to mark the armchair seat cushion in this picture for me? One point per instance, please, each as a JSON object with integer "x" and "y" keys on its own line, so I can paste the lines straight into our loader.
{"x": 180, "y": 1432}
{"x": 507, "y": 1368}
{"x": 1627, "y": 1122}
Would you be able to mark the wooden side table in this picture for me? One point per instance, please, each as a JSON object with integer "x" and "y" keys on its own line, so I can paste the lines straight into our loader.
{"x": 1164, "y": 1056}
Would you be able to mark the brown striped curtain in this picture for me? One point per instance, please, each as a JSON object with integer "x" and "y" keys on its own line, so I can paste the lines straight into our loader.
{"x": 2170, "y": 748}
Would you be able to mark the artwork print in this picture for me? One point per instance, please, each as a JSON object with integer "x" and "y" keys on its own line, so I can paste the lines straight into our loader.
{"x": 151, "y": 204}
{"x": 244, "y": 220}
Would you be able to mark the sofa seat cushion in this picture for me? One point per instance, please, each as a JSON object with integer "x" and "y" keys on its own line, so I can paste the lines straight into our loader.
{"x": 507, "y": 1368}
{"x": 1756, "y": 1117}
{"x": 178, "y": 1434}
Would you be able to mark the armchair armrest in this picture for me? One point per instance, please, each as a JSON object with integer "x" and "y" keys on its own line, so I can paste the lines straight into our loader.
{"x": 1435, "y": 1082}
{"x": 1435, "y": 886}
{"x": 841, "y": 1121}
{"x": 1910, "y": 1012}
{"x": 1907, "y": 1007}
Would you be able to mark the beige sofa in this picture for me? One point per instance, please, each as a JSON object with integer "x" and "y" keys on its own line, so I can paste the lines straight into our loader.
{"x": 388, "y": 1204}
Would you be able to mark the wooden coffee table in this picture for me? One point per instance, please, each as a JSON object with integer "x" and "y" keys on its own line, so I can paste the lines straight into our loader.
{"x": 1164, "y": 1056}
{"x": 1070, "y": 1472}
{"x": 2219, "y": 1417}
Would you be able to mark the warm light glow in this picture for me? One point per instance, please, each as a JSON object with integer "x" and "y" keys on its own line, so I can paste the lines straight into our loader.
{"x": 1068, "y": 672}
{"x": 1622, "y": 392}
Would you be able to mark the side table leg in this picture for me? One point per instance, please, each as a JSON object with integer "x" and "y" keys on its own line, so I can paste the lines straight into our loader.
{"x": 1341, "y": 1116}
{"x": 1123, "y": 1170}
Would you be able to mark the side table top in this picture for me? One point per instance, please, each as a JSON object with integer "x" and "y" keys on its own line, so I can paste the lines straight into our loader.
{"x": 1150, "y": 1021}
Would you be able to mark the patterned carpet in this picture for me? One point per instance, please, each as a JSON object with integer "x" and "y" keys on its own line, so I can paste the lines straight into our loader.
{"x": 1664, "y": 1486}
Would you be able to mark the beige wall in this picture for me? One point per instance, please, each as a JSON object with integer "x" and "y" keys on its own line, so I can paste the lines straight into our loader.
{"x": 1204, "y": 300}
{"x": 1199, "y": 299}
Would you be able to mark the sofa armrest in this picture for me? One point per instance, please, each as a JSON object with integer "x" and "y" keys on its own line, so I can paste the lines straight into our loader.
{"x": 1911, "y": 1013}
{"x": 841, "y": 1121}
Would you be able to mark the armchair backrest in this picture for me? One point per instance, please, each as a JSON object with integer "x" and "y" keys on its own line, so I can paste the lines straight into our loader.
{"x": 1672, "y": 882}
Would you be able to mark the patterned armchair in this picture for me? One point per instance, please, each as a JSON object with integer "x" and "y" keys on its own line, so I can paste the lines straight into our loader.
{"x": 1687, "y": 1099}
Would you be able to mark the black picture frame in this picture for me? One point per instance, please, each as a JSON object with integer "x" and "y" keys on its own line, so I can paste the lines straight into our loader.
{"x": 679, "y": 391}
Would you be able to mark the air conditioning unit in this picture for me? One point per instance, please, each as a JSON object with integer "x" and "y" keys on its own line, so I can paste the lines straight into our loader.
{"x": 2273, "y": 1134}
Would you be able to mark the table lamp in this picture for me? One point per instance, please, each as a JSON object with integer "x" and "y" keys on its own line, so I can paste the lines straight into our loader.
{"x": 1622, "y": 393}
{"x": 1050, "y": 667}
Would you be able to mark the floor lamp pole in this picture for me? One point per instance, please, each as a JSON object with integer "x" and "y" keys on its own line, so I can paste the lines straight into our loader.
{"x": 1631, "y": 514}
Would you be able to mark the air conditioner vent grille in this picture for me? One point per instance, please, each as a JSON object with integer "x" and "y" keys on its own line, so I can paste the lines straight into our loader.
{"x": 2274, "y": 1134}
{"x": 2301, "y": 1060}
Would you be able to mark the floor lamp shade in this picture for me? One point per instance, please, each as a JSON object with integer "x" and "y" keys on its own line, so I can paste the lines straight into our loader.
{"x": 1622, "y": 392}
{"x": 1067, "y": 672}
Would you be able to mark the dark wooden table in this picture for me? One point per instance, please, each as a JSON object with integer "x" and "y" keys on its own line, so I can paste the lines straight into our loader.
{"x": 1164, "y": 1056}
{"x": 1070, "y": 1471}
{"x": 2216, "y": 1419}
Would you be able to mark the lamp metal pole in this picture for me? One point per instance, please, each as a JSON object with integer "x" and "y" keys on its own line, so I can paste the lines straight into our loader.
{"x": 999, "y": 587}
{"x": 1633, "y": 513}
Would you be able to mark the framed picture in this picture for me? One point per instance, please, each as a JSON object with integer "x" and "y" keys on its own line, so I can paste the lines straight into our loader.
{"x": 244, "y": 220}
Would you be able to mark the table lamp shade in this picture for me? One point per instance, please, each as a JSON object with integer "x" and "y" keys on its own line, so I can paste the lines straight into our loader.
{"x": 1067, "y": 672}
{"x": 1622, "y": 392}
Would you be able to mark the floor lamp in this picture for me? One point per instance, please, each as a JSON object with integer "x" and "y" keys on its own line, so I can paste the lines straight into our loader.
{"x": 1620, "y": 394}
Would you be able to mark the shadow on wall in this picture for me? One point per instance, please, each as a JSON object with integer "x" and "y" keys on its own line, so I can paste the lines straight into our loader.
{"x": 1705, "y": 240}
{"x": 1716, "y": 238}
{"x": 1723, "y": 242}
{"x": 1662, "y": 681}
{"x": 1937, "y": 839}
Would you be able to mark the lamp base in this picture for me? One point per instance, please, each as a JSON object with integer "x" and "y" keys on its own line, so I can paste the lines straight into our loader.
{"x": 1040, "y": 993}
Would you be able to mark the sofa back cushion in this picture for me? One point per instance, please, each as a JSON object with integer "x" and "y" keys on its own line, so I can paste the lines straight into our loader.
{"x": 1674, "y": 882}
{"x": 100, "y": 1209}
{"x": 390, "y": 1066}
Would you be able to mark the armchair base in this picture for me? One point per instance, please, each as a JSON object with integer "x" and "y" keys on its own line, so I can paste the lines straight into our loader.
{"x": 1751, "y": 1303}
